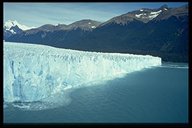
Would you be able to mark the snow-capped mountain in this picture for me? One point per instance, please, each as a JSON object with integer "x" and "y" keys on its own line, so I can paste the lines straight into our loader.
{"x": 150, "y": 14}
{"x": 144, "y": 15}
{"x": 85, "y": 24}
{"x": 13, "y": 23}
{"x": 13, "y": 27}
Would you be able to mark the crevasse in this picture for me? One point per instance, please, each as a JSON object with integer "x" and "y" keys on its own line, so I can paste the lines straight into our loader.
{"x": 34, "y": 72}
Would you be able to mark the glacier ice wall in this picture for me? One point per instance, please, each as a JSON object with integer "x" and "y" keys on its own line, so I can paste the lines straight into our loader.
{"x": 34, "y": 72}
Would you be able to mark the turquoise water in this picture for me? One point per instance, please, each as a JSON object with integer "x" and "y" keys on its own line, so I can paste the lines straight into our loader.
{"x": 156, "y": 95}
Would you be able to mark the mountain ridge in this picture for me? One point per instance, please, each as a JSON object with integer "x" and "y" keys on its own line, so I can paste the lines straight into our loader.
{"x": 164, "y": 34}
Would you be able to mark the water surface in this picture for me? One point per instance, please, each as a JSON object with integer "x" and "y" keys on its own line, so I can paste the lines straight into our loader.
{"x": 156, "y": 95}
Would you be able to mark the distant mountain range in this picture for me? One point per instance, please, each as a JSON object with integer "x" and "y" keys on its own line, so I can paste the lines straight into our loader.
{"x": 160, "y": 32}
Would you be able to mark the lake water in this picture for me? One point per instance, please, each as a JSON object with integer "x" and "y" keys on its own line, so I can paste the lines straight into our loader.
{"x": 155, "y": 95}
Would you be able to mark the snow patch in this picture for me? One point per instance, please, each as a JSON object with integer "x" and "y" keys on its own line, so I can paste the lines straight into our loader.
{"x": 154, "y": 13}
{"x": 142, "y": 15}
{"x": 150, "y": 16}
{"x": 138, "y": 15}
{"x": 13, "y": 32}
{"x": 153, "y": 16}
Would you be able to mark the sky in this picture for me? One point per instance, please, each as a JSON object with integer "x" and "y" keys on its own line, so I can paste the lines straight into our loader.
{"x": 38, "y": 14}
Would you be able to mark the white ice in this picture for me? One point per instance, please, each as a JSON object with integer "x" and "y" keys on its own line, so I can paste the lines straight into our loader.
{"x": 34, "y": 72}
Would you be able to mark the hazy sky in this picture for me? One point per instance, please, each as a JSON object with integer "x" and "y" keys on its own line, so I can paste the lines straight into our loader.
{"x": 37, "y": 14}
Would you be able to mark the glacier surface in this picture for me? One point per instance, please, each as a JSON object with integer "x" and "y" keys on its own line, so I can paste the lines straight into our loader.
{"x": 34, "y": 72}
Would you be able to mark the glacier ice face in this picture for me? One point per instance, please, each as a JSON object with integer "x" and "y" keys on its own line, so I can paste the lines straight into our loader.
{"x": 35, "y": 72}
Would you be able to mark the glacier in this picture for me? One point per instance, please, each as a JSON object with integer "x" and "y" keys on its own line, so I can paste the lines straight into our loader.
{"x": 35, "y": 72}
